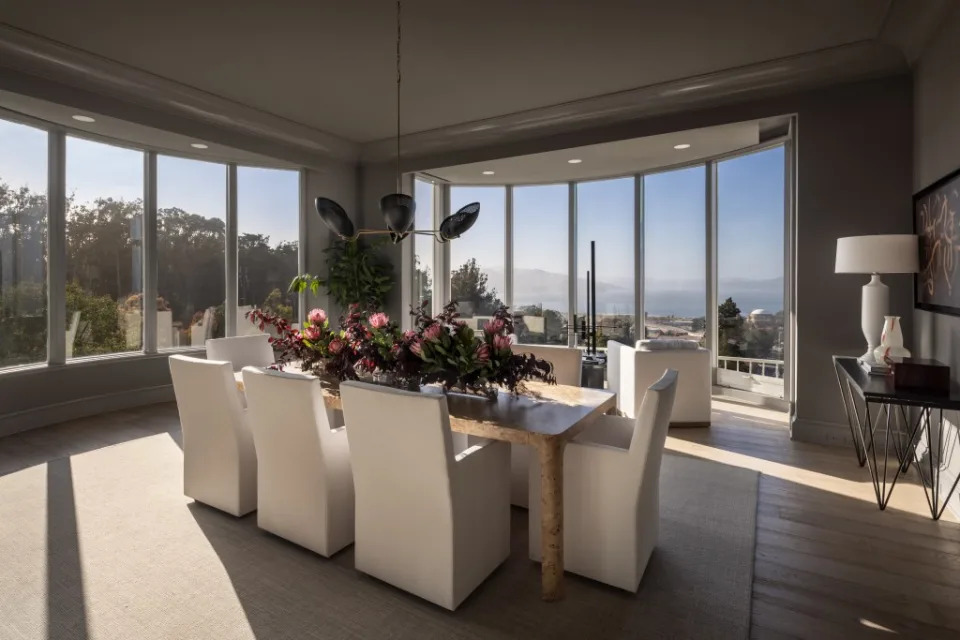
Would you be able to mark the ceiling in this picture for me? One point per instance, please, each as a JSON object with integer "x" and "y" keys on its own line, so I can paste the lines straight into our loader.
{"x": 126, "y": 133}
{"x": 608, "y": 159}
{"x": 330, "y": 65}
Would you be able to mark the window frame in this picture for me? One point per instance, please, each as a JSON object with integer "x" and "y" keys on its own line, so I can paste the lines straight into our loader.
{"x": 56, "y": 241}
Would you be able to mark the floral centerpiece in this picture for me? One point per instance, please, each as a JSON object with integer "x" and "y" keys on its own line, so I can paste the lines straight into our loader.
{"x": 440, "y": 349}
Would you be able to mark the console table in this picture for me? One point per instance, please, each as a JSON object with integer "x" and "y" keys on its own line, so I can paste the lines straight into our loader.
{"x": 907, "y": 418}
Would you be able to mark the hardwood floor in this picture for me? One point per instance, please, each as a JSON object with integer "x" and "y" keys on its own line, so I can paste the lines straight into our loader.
{"x": 829, "y": 564}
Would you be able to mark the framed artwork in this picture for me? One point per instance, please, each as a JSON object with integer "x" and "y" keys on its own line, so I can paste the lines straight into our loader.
{"x": 936, "y": 220}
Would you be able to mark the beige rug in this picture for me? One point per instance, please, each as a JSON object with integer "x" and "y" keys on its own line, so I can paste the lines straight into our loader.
{"x": 103, "y": 545}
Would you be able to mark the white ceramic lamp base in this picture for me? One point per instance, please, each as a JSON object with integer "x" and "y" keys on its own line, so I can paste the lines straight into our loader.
{"x": 875, "y": 305}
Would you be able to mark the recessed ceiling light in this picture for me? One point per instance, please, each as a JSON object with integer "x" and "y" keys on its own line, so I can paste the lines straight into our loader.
{"x": 489, "y": 173}
{"x": 575, "y": 161}
{"x": 679, "y": 147}
{"x": 198, "y": 145}
{"x": 83, "y": 119}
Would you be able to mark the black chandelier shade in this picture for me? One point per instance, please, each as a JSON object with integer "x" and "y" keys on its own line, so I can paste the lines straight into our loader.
{"x": 459, "y": 223}
{"x": 334, "y": 216}
{"x": 399, "y": 212}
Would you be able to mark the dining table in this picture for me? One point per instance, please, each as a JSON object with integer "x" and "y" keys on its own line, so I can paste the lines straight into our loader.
{"x": 545, "y": 417}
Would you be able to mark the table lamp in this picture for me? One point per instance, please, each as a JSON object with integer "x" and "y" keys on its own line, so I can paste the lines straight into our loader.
{"x": 877, "y": 254}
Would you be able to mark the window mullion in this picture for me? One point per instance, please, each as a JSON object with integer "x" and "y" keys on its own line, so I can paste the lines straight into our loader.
{"x": 149, "y": 256}
{"x": 56, "y": 247}
{"x": 230, "y": 303}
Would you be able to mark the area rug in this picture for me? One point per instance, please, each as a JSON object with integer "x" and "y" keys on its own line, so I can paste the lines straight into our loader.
{"x": 103, "y": 545}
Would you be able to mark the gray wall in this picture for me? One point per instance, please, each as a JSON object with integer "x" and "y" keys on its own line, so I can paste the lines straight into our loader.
{"x": 937, "y": 153}
{"x": 854, "y": 177}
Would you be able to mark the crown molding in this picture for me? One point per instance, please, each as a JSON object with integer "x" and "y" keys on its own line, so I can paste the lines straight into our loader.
{"x": 835, "y": 65}
{"x": 26, "y": 54}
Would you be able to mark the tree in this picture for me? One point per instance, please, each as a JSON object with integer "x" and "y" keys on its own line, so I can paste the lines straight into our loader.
{"x": 730, "y": 325}
{"x": 698, "y": 324}
{"x": 468, "y": 286}
{"x": 423, "y": 282}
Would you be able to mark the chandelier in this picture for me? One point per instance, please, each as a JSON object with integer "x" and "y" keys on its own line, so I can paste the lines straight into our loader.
{"x": 398, "y": 208}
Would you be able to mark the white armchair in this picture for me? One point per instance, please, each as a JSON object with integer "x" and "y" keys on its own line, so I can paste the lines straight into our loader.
{"x": 219, "y": 460}
{"x": 304, "y": 480}
{"x": 242, "y": 351}
{"x": 611, "y": 487}
{"x": 567, "y": 367}
{"x": 429, "y": 520}
{"x": 694, "y": 386}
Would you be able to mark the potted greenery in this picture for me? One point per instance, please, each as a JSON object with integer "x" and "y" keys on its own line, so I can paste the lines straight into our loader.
{"x": 357, "y": 273}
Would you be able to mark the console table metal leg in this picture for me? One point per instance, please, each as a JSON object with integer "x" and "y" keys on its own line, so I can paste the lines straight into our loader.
{"x": 935, "y": 446}
{"x": 846, "y": 395}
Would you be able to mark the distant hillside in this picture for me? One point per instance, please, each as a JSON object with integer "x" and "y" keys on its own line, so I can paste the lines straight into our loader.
{"x": 663, "y": 297}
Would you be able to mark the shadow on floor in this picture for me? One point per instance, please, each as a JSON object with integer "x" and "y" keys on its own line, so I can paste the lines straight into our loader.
{"x": 66, "y": 612}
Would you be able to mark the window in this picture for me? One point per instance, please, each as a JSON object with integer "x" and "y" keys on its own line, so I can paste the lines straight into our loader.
{"x": 750, "y": 215}
{"x": 675, "y": 279}
{"x": 23, "y": 244}
{"x": 268, "y": 226}
{"x": 477, "y": 258}
{"x": 104, "y": 186}
{"x": 423, "y": 244}
{"x": 605, "y": 213}
{"x": 540, "y": 263}
{"x": 191, "y": 232}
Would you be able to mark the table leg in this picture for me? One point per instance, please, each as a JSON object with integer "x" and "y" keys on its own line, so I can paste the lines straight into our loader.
{"x": 551, "y": 518}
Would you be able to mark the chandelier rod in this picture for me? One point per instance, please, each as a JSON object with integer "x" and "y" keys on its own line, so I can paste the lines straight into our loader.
{"x": 399, "y": 36}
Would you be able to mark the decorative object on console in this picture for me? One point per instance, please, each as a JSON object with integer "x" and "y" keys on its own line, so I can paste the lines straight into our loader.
{"x": 891, "y": 347}
{"x": 921, "y": 373}
{"x": 398, "y": 209}
{"x": 935, "y": 221}
{"x": 875, "y": 255}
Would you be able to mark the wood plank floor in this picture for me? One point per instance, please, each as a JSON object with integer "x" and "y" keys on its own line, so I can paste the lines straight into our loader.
{"x": 829, "y": 564}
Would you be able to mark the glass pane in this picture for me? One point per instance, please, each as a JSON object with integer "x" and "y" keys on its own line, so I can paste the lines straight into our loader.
{"x": 540, "y": 291}
{"x": 750, "y": 271}
{"x": 476, "y": 259}
{"x": 268, "y": 226}
{"x": 23, "y": 244}
{"x": 675, "y": 280}
{"x": 104, "y": 248}
{"x": 605, "y": 211}
{"x": 191, "y": 227}
{"x": 422, "y": 244}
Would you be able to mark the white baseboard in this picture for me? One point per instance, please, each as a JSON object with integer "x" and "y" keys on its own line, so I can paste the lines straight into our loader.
{"x": 61, "y": 412}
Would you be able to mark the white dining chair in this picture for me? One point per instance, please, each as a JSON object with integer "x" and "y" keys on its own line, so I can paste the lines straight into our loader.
{"x": 567, "y": 367}
{"x": 611, "y": 490}
{"x": 615, "y": 353}
{"x": 304, "y": 480}
{"x": 431, "y": 520}
{"x": 242, "y": 351}
{"x": 219, "y": 460}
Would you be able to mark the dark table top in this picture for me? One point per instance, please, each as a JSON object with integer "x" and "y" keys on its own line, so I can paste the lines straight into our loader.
{"x": 881, "y": 388}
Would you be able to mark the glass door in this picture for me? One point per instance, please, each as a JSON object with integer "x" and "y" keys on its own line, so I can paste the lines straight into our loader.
{"x": 750, "y": 272}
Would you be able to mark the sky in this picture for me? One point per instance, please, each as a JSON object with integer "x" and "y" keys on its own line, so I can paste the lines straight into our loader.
{"x": 268, "y": 200}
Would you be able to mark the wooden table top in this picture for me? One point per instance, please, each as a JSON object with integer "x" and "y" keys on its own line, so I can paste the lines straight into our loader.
{"x": 545, "y": 412}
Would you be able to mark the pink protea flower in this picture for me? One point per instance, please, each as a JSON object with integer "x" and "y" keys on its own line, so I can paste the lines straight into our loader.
{"x": 417, "y": 349}
{"x": 312, "y": 333}
{"x": 335, "y": 345}
{"x": 433, "y": 332}
{"x": 483, "y": 352}
{"x": 317, "y": 317}
{"x": 493, "y": 327}
{"x": 502, "y": 343}
{"x": 379, "y": 320}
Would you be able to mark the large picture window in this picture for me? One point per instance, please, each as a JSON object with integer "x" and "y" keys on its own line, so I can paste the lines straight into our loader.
{"x": 477, "y": 258}
{"x": 423, "y": 270}
{"x": 605, "y": 216}
{"x": 675, "y": 236}
{"x": 540, "y": 245}
{"x": 191, "y": 240}
{"x": 23, "y": 244}
{"x": 268, "y": 223}
{"x": 104, "y": 186}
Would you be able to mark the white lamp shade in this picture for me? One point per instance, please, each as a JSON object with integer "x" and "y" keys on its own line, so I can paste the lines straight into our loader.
{"x": 897, "y": 253}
